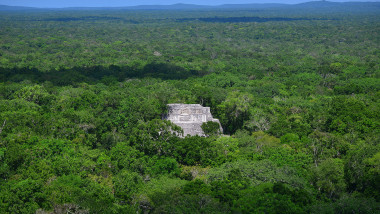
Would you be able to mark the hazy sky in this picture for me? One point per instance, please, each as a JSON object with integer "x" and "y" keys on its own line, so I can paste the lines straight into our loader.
{"x": 116, "y": 3}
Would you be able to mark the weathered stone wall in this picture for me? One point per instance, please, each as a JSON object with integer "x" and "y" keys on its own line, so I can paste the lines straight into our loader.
{"x": 190, "y": 117}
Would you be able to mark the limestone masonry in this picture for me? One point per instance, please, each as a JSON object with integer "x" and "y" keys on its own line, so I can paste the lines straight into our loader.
{"x": 190, "y": 117}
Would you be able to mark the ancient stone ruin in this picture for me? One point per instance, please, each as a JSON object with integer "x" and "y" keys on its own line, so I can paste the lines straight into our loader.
{"x": 190, "y": 117}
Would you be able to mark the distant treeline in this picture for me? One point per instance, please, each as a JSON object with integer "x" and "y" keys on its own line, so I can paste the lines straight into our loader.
{"x": 84, "y": 18}
{"x": 202, "y": 19}
{"x": 245, "y": 19}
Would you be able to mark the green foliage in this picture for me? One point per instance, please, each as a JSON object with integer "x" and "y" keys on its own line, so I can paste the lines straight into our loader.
{"x": 24, "y": 196}
{"x": 36, "y": 94}
{"x": 4, "y": 168}
{"x": 211, "y": 128}
{"x": 157, "y": 191}
{"x": 192, "y": 151}
{"x": 154, "y": 137}
{"x": 229, "y": 189}
{"x": 270, "y": 198}
{"x": 197, "y": 150}
{"x": 168, "y": 166}
{"x": 126, "y": 184}
{"x": 348, "y": 204}
{"x": 191, "y": 204}
{"x": 196, "y": 187}
{"x": 236, "y": 110}
{"x": 83, "y": 192}
{"x": 82, "y": 97}
{"x": 284, "y": 156}
{"x": 259, "y": 172}
{"x": 123, "y": 156}
{"x": 328, "y": 178}
{"x": 351, "y": 115}
{"x": 14, "y": 156}
{"x": 361, "y": 169}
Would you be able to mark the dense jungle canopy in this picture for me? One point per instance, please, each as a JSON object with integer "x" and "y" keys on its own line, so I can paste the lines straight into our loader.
{"x": 82, "y": 94}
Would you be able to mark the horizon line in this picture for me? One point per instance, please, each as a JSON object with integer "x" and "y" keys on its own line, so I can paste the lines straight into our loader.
{"x": 179, "y": 3}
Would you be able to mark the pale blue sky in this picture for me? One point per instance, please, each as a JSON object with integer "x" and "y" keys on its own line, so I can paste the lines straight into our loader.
{"x": 118, "y": 3}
